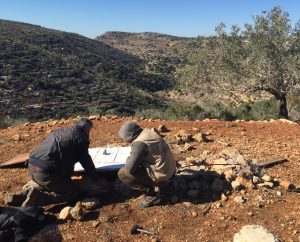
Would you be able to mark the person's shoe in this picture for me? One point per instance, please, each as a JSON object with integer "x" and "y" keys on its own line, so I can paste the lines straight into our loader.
{"x": 150, "y": 200}
{"x": 16, "y": 199}
{"x": 35, "y": 198}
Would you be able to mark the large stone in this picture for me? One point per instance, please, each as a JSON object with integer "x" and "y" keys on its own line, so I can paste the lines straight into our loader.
{"x": 29, "y": 185}
{"x": 16, "y": 137}
{"x": 184, "y": 136}
{"x": 256, "y": 180}
{"x": 254, "y": 233}
{"x": 286, "y": 185}
{"x": 267, "y": 178}
{"x": 77, "y": 212}
{"x": 236, "y": 185}
{"x": 241, "y": 160}
{"x": 90, "y": 203}
{"x": 239, "y": 199}
{"x": 188, "y": 147}
{"x": 201, "y": 137}
{"x": 266, "y": 184}
{"x": 65, "y": 213}
{"x": 229, "y": 174}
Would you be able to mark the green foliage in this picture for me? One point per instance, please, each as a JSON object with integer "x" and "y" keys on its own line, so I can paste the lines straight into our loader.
{"x": 260, "y": 110}
{"x": 263, "y": 56}
{"x": 175, "y": 111}
{"x": 8, "y": 121}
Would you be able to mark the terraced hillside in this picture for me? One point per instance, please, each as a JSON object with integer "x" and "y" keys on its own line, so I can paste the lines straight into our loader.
{"x": 48, "y": 73}
{"x": 161, "y": 53}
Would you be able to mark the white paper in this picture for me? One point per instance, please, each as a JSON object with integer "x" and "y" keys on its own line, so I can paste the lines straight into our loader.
{"x": 107, "y": 158}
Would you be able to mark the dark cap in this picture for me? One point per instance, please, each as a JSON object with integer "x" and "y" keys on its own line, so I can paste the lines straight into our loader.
{"x": 130, "y": 131}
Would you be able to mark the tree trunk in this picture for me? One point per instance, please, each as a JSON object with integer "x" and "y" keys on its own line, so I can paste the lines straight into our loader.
{"x": 282, "y": 107}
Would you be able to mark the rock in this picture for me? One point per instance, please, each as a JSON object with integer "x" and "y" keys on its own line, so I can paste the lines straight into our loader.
{"x": 236, "y": 185}
{"x": 29, "y": 185}
{"x": 90, "y": 203}
{"x": 260, "y": 198}
{"x": 217, "y": 185}
{"x": 193, "y": 193}
{"x": 224, "y": 198}
{"x": 187, "y": 204}
{"x": 267, "y": 178}
{"x": 65, "y": 213}
{"x": 94, "y": 117}
{"x": 266, "y": 184}
{"x": 219, "y": 205}
{"x": 206, "y": 153}
{"x": 256, "y": 180}
{"x": 286, "y": 185}
{"x": 194, "y": 214}
{"x": 96, "y": 224}
{"x": 286, "y": 121}
{"x": 163, "y": 129}
{"x": 230, "y": 153}
{"x": 244, "y": 182}
{"x": 201, "y": 137}
{"x": 278, "y": 193}
{"x": 16, "y": 137}
{"x": 77, "y": 212}
{"x": 241, "y": 160}
{"x": 254, "y": 233}
{"x": 184, "y": 136}
{"x": 239, "y": 199}
{"x": 229, "y": 175}
{"x": 188, "y": 147}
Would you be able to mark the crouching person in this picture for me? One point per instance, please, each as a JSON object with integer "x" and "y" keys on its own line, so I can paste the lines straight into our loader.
{"x": 51, "y": 166}
{"x": 150, "y": 164}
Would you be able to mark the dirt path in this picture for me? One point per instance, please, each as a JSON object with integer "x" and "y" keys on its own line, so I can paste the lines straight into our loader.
{"x": 182, "y": 221}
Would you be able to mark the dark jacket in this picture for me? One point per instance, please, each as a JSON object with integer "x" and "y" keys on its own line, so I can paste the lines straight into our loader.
{"x": 18, "y": 224}
{"x": 62, "y": 149}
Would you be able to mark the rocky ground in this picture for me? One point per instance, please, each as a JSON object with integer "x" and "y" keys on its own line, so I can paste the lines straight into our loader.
{"x": 206, "y": 202}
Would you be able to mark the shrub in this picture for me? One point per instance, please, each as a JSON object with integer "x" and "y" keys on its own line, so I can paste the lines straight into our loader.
{"x": 8, "y": 121}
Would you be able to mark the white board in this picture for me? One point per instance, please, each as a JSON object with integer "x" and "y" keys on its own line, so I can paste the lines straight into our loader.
{"x": 107, "y": 158}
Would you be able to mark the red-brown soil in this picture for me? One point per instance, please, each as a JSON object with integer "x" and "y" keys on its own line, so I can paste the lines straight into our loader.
{"x": 182, "y": 221}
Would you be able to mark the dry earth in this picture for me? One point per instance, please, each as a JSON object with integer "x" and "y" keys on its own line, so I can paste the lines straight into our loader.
{"x": 183, "y": 221}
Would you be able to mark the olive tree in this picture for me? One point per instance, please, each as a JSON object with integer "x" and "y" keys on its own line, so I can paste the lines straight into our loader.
{"x": 263, "y": 56}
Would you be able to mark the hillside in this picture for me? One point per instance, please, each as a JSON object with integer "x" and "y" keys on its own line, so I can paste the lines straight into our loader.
{"x": 187, "y": 218}
{"x": 161, "y": 53}
{"x": 46, "y": 73}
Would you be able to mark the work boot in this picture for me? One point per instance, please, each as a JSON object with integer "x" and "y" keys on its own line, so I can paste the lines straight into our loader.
{"x": 150, "y": 200}
{"x": 16, "y": 199}
{"x": 35, "y": 198}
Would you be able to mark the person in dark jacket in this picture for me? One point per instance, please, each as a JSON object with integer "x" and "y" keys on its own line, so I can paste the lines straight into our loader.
{"x": 51, "y": 165}
{"x": 150, "y": 164}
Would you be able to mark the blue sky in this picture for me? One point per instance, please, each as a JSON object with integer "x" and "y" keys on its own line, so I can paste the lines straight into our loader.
{"x": 176, "y": 17}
